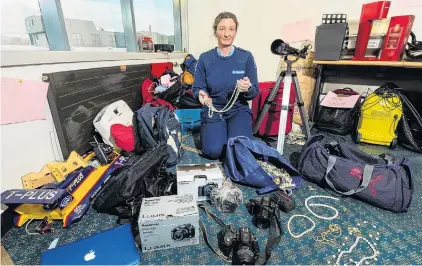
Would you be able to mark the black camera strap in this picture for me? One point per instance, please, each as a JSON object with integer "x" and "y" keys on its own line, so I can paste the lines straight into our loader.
{"x": 273, "y": 237}
{"x": 204, "y": 232}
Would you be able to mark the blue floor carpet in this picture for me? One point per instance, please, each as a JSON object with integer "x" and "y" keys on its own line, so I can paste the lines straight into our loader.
{"x": 398, "y": 237}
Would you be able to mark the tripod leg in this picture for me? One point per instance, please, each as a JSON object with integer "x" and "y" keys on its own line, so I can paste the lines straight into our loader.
{"x": 284, "y": 112}
{"x": 301, "y": 105}
{"x": 267, "y": 104}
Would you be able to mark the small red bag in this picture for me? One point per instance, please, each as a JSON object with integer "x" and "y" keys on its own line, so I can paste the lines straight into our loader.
{"x": 123, "y": 137}
{"x": 271, "y": 121}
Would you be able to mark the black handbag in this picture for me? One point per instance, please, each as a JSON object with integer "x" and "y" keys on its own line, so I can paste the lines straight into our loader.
{"x": 341, "y": 121}
{"x": 141, "y": 177}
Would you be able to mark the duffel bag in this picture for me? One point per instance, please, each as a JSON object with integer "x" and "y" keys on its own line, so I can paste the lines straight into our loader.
{"x": 143, "y": 176}
{"x": 384, "y": 181}
{"x": 242, "y": 167}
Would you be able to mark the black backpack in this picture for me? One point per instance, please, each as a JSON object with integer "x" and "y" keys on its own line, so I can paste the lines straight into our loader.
{"x": 156, "y": 126}
{"x": 143, "y": 176}
{"x": 179, "y": 95}
{"x": 341, "y": 121}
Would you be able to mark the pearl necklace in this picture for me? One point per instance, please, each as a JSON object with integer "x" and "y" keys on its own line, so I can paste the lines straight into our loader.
{"x": 303, "y": 233}
{"x": 321, "y": 205}
{"x": 229, "y": 105}
{"x": 362, "y": 260}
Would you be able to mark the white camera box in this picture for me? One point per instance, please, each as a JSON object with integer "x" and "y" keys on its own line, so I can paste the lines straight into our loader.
{"x": 199, "y": 179}
{"x": 168, "y": 222}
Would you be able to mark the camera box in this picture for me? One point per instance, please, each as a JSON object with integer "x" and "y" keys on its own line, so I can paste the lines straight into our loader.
{"x": 199, "y": 179}
{"x": 168, "y": 222}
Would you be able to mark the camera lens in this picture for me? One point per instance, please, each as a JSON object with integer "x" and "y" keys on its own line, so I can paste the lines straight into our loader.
{"x": 178, "y": 235}
{"x": 208, "y": 189}
{"x": 245, "y": 255}
{"x": 277, "y": 47}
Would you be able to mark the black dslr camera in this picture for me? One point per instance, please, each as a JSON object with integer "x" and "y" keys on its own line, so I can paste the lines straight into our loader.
{"x": 262, "y": 210}
{"x": 206, "y": 189}
{"x": 183, "y": 231}
{"x": 240, "y": 245}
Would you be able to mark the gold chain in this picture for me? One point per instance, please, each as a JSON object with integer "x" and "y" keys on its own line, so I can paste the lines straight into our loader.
{"x": 329, "y": 236}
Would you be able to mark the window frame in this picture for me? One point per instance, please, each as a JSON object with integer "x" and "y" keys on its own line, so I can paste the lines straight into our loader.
{"x": 96, "y": 40}
{"x": 66, "y": 55}
{"x": 78, "y": 38}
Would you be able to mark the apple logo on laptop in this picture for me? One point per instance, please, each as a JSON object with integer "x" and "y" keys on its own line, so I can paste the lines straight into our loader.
{"x": 89, "y": 256}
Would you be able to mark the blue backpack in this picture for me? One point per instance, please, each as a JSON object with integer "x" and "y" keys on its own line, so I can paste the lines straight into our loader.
{"x": 242, "y": 167}
{"x": 157, "y": 125}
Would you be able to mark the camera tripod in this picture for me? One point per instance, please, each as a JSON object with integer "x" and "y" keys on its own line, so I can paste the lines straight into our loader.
{"x": 288, "y": 76}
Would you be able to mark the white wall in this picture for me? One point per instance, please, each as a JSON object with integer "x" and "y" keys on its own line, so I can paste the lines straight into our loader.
{"x": 27, "y": 147}
{"x": 261, "y": 23}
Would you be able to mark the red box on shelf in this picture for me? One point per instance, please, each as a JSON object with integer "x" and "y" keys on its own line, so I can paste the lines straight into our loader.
{"x": 370, "y": 12}
{"x": 396, "y": 39}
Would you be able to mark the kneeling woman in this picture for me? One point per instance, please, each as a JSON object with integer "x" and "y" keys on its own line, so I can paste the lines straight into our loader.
{"x": 219, "y": 73}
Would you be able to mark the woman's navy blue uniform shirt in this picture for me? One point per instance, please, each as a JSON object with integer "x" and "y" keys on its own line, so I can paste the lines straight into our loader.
{"x": 217, "y": 76}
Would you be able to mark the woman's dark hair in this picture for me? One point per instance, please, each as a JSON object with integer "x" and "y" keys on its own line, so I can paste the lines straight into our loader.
{"x": 224, "y": 15}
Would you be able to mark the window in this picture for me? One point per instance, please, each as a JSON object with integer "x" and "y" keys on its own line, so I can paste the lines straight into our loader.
{"x": 96, "y": 40}
{"x": 90, "y": 25}
{"x": 20, "y": 24}
{"x": 112, "y": 40}
{"x": 155, "y": 19}
{"x": 97, "y": 20}
{"x": 76, "y": 39}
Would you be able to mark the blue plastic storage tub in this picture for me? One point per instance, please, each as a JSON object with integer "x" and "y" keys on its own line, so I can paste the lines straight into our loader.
{"x": 190, "y": 120}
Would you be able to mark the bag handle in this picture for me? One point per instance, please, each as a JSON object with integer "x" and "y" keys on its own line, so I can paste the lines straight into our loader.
{"x": 367, "y": 173}
{"x": 346, "y": 91}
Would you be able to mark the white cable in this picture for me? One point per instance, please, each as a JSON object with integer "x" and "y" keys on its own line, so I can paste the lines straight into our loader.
{"x": 26, "y": 228}
{"x": 303, "y": 233}
{"x": 373, "y": 256}
{"x": 229, "y": 105}
{"x": 321, "y": 205}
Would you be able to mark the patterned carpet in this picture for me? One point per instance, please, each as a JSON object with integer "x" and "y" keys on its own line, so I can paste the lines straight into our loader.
{"x": 398, "y": 237}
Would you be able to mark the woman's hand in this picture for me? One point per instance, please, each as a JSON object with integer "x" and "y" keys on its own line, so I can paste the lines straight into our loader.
{"x": 203, "y": 97}
{"x": 244, "y": 84}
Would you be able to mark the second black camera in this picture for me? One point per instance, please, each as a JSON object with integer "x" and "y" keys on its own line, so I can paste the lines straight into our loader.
{"x": 241, "y": 246}
{"x": 205, "y": 191}
{"x": 182, "y": 232}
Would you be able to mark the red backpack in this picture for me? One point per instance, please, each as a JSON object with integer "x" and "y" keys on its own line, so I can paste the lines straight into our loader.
{"x": 148, "y": 85}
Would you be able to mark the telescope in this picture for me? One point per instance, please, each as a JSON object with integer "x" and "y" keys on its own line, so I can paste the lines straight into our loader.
{"x": 287, "y": 78}
{"x": 279, "y": 47}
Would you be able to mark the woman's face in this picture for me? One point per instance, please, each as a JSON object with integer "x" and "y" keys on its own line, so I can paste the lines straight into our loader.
{"x": 226, "y": 32}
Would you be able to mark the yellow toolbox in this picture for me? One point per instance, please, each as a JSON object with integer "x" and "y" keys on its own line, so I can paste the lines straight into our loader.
{"x": 380, "y": 114}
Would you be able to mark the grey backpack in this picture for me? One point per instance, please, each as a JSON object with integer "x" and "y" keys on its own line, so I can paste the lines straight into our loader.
{"x": 385, "y": 181}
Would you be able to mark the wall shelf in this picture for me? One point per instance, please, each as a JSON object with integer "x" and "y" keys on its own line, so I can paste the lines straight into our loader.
{"x": 371, "y": 63}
